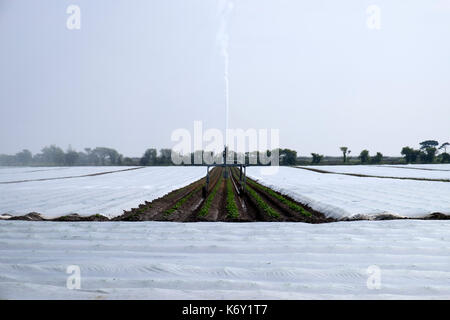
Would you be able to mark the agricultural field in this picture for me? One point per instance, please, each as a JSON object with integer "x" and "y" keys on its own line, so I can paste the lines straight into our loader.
{"x": 138, "y": 194}
{"x": 312, "y": 194}
{"x": 212, "y": 260}
{"x": 86, "y": 191}
{"x": 349, "y": 193}
{"x": 417, "y": 172}
{"x": 224, "y": 200}
{"x": 271, "y": 257}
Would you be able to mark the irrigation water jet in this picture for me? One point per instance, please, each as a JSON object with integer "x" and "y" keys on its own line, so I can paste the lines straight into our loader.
{"x": 225, "y": 9}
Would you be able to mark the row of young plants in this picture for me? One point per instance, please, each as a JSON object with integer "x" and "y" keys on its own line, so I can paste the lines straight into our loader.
{"x": 207, "y": 204}
{"x": 260, "y": 203}
{"x": 231, "y": 206}
{"x": 136, "y": 212}
{"x": 180, "y": 202}
{"x": 292, "y": 205}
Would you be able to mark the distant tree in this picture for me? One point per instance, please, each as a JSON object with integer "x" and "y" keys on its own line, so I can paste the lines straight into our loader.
{"x": 119, "y": 160}
{"x": 114, "y": 157}
{"x": 428, "y": 144}
{"x": 288, "y": 157}
{"x": 430, "y": 154}
{"x": 423, "y": 158}
{"x": 101, "y": 154}
{"x": 82, "y": 159}
{"x": 53, "y": 155}
{"x": 165, "y": 157}
{"x": 70, "y": 157}
{"x": 127, "y": 161}
{"x": 92, "y": 157}
{"x": 316, "y": 158}
{"x": 445, "y": 157}
{"x": 378, "y": 158}
{"x": 106, "y": 156}
{"x": 149, "y": 157}
{"x": 416, "y": 154}
{"x": 410, "y": 154}
{"x": 345, "y": 152}
{"x": 444, "y": 146}
{"x": 24, "y": 157}
{"x": 364, "y": 156}
{"x": 406, "y": 152}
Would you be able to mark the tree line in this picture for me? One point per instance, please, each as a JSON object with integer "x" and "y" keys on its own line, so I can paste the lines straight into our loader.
{"x": 102, "y": 156}
{"x": 286, "y": 157}
{"x": 55, "y": 156}
{"x": 363, "y": 158}
{"x": 429, "y": 151}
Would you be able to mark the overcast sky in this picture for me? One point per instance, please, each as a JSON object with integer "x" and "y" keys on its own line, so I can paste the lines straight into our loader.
{"x": 137, "y": 70}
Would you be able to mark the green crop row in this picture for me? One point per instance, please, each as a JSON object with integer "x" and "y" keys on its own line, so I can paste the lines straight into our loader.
{"x": 205, "y": 208}
{"x": 231, "y": 204}
{"x": 261, "y": 203}
{"x": 282, "y": 199}
{"x": 181, "y": 202}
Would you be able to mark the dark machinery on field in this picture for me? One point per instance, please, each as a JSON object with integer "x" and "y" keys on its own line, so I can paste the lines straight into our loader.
{"x": 227, "y": 166}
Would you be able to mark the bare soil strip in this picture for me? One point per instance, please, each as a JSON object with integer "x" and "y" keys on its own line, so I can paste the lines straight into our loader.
{"x": 71, "y": 177}
{"x": 371, "y": 176}
{"x": 414, "y": 168}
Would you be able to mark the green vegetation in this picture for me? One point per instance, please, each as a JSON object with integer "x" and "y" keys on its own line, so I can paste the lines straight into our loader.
{"x": 181, "y": 202}
{"x": 444, "y": 146}
{"x": 292, "y": 205}
{"x": 377, "y": 159}
{"x": 205, "y": 208}
{"x": 261, "y": 203}
{"x": 316, "y": 158}
{"x": 231, "y": 203}
{"x": 428, "y": 153}
{"x": 364, "y": 156}
{"x": 141, "y": 210}
{"x": 345, "y": 152}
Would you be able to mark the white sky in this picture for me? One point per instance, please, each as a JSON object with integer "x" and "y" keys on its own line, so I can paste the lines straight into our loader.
{"x": 137, "y": 70}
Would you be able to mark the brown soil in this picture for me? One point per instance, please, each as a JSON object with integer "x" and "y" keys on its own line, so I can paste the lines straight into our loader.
{"x": 185, "y": 204}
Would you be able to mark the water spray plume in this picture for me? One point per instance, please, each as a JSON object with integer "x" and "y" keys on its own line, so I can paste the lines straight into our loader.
{"x": 225, "y": 9}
